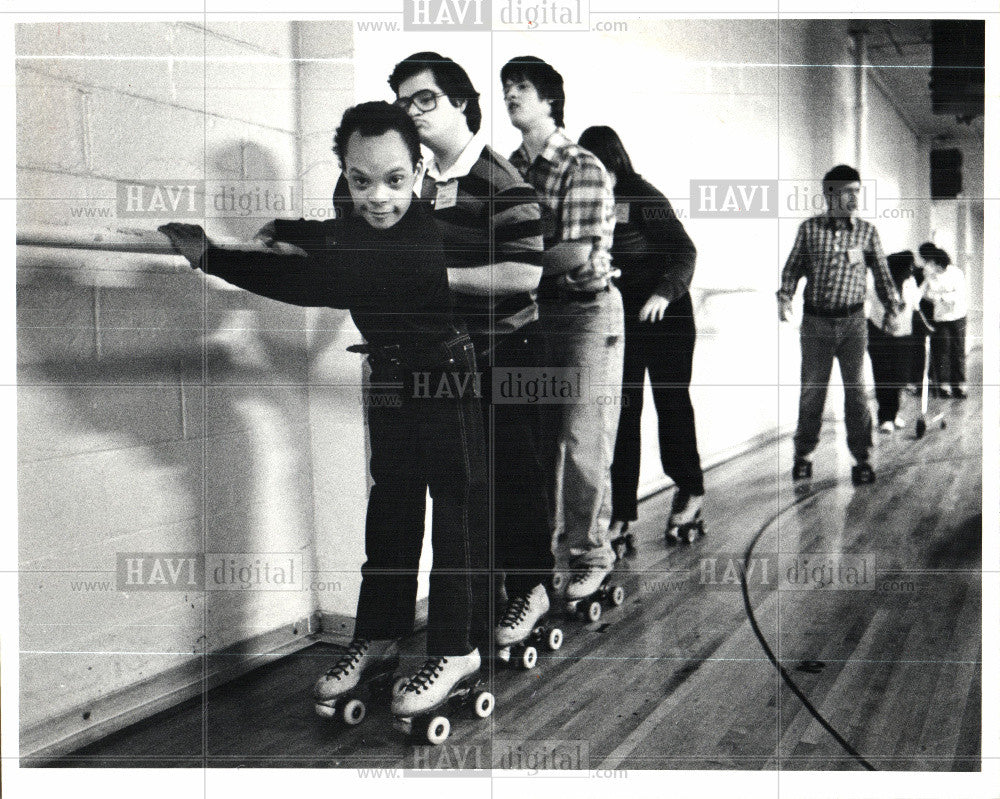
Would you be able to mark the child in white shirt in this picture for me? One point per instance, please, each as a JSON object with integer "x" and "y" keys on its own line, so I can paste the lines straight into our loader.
{"x": 946, "y": 287}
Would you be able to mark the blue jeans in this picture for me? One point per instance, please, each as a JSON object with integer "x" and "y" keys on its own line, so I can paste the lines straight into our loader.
{"x": 577, "y": 438}
{"x": 823, "y": 340}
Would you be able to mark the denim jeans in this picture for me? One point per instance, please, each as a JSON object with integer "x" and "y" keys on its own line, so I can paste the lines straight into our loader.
{"x": 577, "y": 438}
{"x": 422, "y": 437}
{"x": 522, "y": 536}
{"x": 823, "y": 340}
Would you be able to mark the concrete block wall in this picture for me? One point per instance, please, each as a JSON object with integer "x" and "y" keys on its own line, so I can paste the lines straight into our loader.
{"x": 160, "y": 411}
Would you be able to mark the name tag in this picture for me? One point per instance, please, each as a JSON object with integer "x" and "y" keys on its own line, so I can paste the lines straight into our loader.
{"x": 621, "y": 212}
{"x": 447, "y": 195}
{"x": 855, "y": 255}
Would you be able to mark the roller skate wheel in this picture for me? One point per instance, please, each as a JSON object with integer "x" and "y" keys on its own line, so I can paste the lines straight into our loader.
{"x": 617, "y": 596}
{"x": 594, "y": 610}
{"x": 555, "y": 639}
{"x": 558, "y": 581}
{"x": 692, "y": 535}
{"x": 944, "y": 424}
{"x": 353, "y": 712}
{"x": 483, "y": 704}
{"x": 326, "y": 711}
{"x": 529, "y": 657}
{"x": 504, "y": 654}
{"x": 438, "y": 729}
{"x": 620, "y": 548}
{"x": 399, "y": 685}
{"x": 672, "y": 536}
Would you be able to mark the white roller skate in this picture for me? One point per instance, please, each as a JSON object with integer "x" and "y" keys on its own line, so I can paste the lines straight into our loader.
{"x": 589, "y": 588}
{"x": 521, "y": 629}
{"x": 365, "y": 671}
{"x": 439, "y": 683}
{"x": 685, "y": 525}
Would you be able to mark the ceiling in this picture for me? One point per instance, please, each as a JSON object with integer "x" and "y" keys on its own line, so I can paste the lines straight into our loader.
{"x": 900, "y": 53}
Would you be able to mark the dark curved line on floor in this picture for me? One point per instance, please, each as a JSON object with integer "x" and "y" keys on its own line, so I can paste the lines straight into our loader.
{"x": 748, "y": 555}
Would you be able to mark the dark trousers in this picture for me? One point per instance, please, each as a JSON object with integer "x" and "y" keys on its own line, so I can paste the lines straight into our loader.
{"x": 890, "y": 367}
{"x": 521, "y": 533}
{"x": 948, "y": 352}
{"x": 425, "y": 433}
{"x": 666, "y": 350}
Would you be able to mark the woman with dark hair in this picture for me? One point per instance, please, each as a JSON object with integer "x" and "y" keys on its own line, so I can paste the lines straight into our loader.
{"x": 656, "y": 258}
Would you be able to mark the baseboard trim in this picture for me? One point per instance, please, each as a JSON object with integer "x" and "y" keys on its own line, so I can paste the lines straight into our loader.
{"x": 72, "y": 729}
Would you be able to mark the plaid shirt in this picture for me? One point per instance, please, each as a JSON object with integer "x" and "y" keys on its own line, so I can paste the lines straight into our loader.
{"x": 574, "y": 190}
{"x": 833, "y": 254}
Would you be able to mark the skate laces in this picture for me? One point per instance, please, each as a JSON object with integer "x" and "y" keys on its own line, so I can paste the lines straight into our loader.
{"x": 429, "y": 672}
{"x": 517, "y": 609}
{"x": 584, "y": 575}
{"x": 355, "y": 651}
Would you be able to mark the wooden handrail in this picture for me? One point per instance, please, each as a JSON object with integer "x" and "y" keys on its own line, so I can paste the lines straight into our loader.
{"x": 125, "y": 240}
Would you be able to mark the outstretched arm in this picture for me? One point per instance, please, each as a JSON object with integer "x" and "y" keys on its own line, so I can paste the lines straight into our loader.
{"x": 295, "y": 279}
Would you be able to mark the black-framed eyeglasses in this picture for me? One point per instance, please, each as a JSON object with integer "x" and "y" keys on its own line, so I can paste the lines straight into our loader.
{"x": 424, "y": 100}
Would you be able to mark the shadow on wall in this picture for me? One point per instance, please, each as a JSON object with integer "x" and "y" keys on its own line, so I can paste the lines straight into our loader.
{"x": 193, "y": 397}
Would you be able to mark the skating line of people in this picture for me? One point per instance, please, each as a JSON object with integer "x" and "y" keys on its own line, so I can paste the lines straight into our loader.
{"x": 470, "y": 268}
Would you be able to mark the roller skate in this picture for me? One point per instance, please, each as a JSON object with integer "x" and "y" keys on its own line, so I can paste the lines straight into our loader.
{"x": 591, "y": 587}
{"x": 624, "y": 542}
{"x": 421, "y": 709}
{"x": 685, "y": 525}
{"x": 862, "y": 473}
{"x": 521, "y": 630}
{"x": 364, "y": 672}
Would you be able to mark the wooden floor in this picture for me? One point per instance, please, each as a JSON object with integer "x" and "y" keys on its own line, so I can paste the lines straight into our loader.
{"x": 677, "y": 678}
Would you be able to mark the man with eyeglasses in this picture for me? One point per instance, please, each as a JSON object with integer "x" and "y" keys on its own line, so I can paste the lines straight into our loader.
{"x": 581, "y": 318}
{"x": 490, "y": 221}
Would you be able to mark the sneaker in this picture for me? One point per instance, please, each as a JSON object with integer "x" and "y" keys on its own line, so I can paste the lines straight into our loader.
{"x": 944, "y": 392}
{"x": 887, "y": 427}
{"x": 900, "y": 422}
{"x": 361, "y": 657}
{"x": 586, "y": 580}
{"x": 430, "y": 686}
{"x": 685, "y": 508}
{"x": 521, "y": 616}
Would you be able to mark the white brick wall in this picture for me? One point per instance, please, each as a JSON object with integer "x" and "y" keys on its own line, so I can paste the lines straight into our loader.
{"x": 159, "y": 411}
